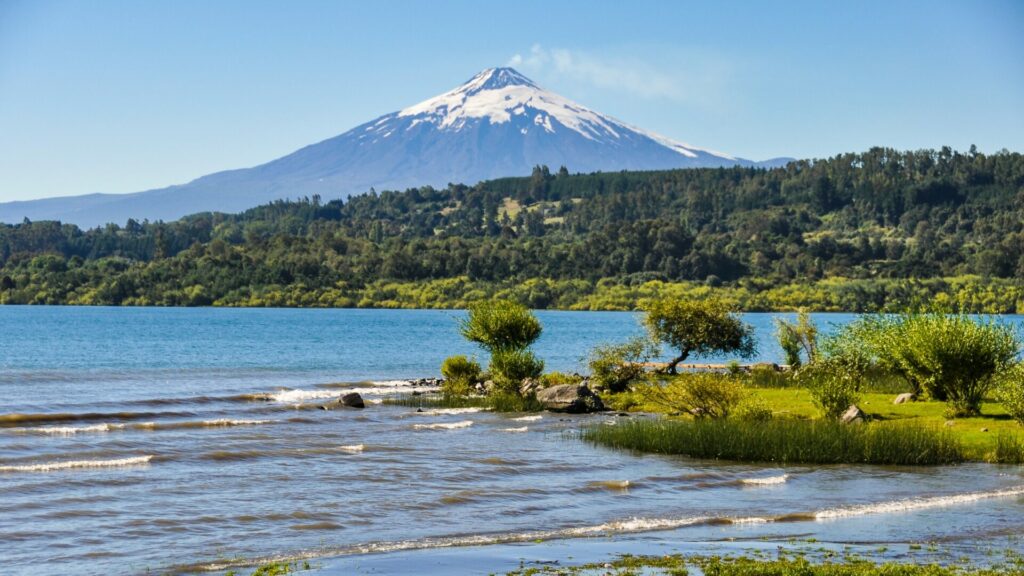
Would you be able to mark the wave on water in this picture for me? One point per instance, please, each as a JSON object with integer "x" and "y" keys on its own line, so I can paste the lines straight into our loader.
{"x": 69, "y": 464}
{"x": 443, "y": 425}
{"x": 916, "y": 503}
{"x": 528, "y": 418}
{"x": 443, "y": 411}
{"x": 9, "y": 420}
{"x": 768, "y": 481}
{"x": 67, "y": 430}
{"x": 625, "y": 526}
{"x": 520, "y": 429}
{"x": 217, "y": 423}
{"x": 353, "y": 448}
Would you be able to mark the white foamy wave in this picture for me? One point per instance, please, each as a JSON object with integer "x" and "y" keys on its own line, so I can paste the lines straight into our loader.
{"x": 441, "y": 411}
{"x": 634, "y": 525}
{"x": 917, "y": 503}
{"x": 353, "y": 448}
{"x": 768, "y": 481}
{"x": 68, "y": 430}
{"x": 520, "y": 429}
{"x": 289, "y": 396}
{"x": 444, "y": 425}
{"x": 51, "y": 466}
{"x": 230, "y": 422}
{"x": 528, "y": 418}
{"x": 393, "y": 383}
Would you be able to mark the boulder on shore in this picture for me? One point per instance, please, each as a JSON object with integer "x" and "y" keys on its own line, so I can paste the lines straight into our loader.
{"x": 904, "y": 398}
{"x": 572, "y": 398}
{"x": 853, "y": 415}
{"x": 350, "y": 400}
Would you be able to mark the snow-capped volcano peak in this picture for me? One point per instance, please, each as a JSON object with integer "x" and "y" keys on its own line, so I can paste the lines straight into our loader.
{"x": 499, "y": 123}
{"x": 503, "y": 95}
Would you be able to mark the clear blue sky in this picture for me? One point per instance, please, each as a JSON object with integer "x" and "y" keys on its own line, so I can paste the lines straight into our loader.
{"x": 121, "y": 96}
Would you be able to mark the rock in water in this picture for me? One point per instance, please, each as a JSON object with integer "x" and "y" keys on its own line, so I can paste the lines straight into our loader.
{"x": 904, "y": 398}
{"x": 350, "y": 400}
{"x": 572, "y": 398}
{"x": 853, "y": 415}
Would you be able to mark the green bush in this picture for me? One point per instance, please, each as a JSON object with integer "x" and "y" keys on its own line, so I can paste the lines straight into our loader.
{"x": 559, "y": 378}
{"x": 510, "y": 367}
{"x": 754, "y": 411}
{"x": 953, "y": 357}
{"x": 460, "y": 374}
{"x": 614, "y": 367}
{"x": 1011, "y": 392}
{"x": 500, "y": 325}
{"x": 796, "y": 338}
{"x": 702, "y": 394}
{"x": 834, "y": 384}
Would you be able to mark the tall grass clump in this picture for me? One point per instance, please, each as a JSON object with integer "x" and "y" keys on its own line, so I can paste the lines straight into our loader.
{"x": 782, "y": 441}
{"x": 1009, "y": 449}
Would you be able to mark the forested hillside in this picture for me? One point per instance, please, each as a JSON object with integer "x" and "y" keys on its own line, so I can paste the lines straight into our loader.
{"x": 853, "y": 232}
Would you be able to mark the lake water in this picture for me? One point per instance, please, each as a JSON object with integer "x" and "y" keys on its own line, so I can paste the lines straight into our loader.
{"x": 162, "y": 440}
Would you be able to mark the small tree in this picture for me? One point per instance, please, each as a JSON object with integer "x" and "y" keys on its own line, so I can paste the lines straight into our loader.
{"x": 698, "y": 328}
{"x": 500, "y": 325}
{"x": 505, "y": 329}
{"x": 834, "y": 384}
{"x": 797, "y": 337}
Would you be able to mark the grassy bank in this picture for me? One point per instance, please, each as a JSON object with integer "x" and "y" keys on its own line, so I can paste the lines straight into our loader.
{"x": 991, "y": 437}
{"x": 677, "y": 565}
{"x": 783, "y": 441}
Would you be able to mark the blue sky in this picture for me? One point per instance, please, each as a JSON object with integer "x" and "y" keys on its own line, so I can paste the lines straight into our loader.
{"x": 119, "y": 96}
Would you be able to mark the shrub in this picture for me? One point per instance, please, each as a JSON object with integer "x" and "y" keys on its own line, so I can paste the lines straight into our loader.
{"x": 510, "y": 367}
{"x": 698, "y": 328}
{"x": 614, "y": 366}
{"x": 1011, "y": 392}
{"x": 703, "y": 394}
{"x": 834, "y": 384}
{"x": 500, "y": 325}
{"x": 460, "y": 374}
{"x": 754, "y": 411}
{"x": 797, "y": 337}
{"x": 559, "y": 378}
{"x": 953, "y": 357}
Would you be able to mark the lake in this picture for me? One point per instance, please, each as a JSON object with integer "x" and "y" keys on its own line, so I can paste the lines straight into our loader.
{"x": 161, "y": 440}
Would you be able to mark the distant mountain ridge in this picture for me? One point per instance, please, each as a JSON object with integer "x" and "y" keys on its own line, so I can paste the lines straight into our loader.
{"x": 497, "y": 124}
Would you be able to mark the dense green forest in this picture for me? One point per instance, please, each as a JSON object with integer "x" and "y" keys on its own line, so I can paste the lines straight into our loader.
{"x": 881, "y": 229}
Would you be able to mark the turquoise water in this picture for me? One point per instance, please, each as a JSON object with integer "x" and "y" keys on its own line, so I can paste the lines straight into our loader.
{"x": 160, "y": 440}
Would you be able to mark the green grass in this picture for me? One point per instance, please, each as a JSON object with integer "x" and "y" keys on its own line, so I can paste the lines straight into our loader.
{"x": 783, "y": 441}
{"x": 1009, "y": 449}
{"x": 678, "y": 565}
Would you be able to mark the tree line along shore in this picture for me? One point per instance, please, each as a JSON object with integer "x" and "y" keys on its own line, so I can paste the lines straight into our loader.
{"x": 879, "y": 230}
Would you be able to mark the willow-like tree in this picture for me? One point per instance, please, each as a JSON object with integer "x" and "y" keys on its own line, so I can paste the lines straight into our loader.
{"x": 698, "y": 328}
